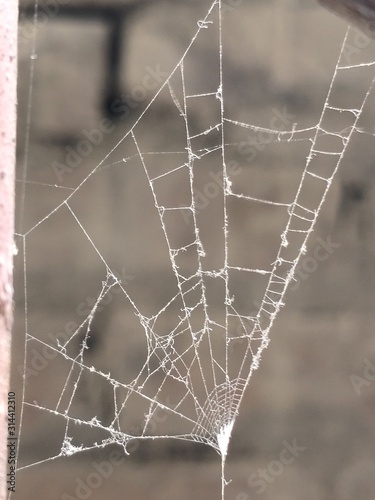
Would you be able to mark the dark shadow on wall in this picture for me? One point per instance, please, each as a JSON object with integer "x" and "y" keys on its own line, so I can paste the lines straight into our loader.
{"x": 117, "y": 17}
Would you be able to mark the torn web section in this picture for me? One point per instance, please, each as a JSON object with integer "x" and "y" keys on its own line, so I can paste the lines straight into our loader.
{"x": 200, "y": 364}
{"x": 171, "y": 317}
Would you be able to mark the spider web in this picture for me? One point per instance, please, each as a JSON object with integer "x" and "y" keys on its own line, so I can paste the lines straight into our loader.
{"x": 201, "y": 344}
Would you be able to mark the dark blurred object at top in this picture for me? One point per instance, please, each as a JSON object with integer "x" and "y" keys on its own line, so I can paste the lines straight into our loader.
{"x": 359, "y": 12}
{"x": 116, "y": 13}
